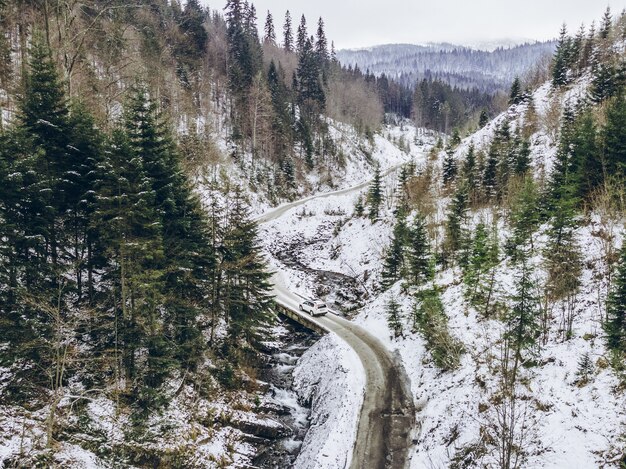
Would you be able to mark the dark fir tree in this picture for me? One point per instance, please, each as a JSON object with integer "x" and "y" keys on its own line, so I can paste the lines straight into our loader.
{"x": 394, "y": 321}
{"x": 302, "y": 36}
{"x": 393, "y": 264}
{"x": 418, "y": 255}
{"x": 522, "y": 321}
{"x": 247, "y": 287}
{"x": 321, "y": 43}
{"x": 457, "y": 214}
{"x": 614, "y": 136}
{"x": 287, "y": 33}
{"x": 483, "y": 119}
{"x": 270, "y": 33}
{"x": 616, "y": 310}
{"x": 375, "y": 195}
{"x": 562, "y": 59}
{"x": 516, "y": 95}
{"x": 449, "y": 167}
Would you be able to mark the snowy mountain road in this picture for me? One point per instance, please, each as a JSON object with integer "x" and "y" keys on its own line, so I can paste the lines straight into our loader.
{"x": 387, "y": 416}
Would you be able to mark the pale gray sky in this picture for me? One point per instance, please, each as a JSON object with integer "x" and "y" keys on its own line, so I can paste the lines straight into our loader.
{"x": 361, "y": 23}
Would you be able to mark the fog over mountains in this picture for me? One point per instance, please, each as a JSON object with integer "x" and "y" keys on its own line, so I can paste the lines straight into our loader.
{"x": 488, "y": 67}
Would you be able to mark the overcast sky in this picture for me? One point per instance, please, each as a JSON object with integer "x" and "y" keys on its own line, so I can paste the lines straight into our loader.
{"x": 362, "y": 23}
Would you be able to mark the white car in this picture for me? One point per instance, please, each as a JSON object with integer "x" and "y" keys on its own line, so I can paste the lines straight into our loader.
{"x": 314, "y": 308}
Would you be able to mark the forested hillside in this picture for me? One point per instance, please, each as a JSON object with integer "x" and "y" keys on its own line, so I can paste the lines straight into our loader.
{"x": 458, "y": 66}
{"x": 505, "y": 262}
{"x": 495, "y": 268}
{"x": 134, "y": 300}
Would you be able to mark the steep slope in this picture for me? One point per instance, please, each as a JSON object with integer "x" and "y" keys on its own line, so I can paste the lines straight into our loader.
{"x": 558, "y": 399}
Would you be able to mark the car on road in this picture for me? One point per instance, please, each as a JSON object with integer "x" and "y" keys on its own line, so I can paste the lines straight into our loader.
{"x": 314, "y": 308}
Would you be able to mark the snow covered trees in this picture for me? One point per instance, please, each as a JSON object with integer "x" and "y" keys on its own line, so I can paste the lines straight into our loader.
{"x": 104, "y": 240}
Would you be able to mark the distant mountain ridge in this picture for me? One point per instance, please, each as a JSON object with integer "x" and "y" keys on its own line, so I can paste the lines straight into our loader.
{"x": 465, "y": 66}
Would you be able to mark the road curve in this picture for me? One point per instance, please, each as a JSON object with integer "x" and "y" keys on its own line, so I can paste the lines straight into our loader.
{"x": 388, "y": 414}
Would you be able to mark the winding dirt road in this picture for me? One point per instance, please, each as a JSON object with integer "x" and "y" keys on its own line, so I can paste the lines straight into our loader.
{"x": 387, "y": 416}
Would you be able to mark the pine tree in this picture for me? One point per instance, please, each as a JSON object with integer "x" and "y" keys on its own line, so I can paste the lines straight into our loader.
{"x": 479, "y": 268}
{"x": 614, "y": 136}
{"x": 287, "y": 33}
{"x": 469, "y": 168}
{"x": 359, "y": 207}
{"x": 616, "y": 310}
{"x": 586, "y": 156}
{"x": 194, "y": 33}
{"x": 250, "y": 22}
{"x": 490, "y": 174}
{"x": 394, "y": 321}
{"x": 516, "y": 95}
{"x": 457, "y": 213}
{"x": 419, "y": 262}
{"x": 375, "y": 195}
{"x": 585, "y": 370}
{"x": 302, "y": 36}
{"x": 449, "y": 167}
{"x": 606, "y": 25}
{"x": 520, "y": 155}
{"x": 270, "y": 33}
{"x": 564, "y": 260}
{"x": 524, "y": 218}
{"x": 483, "y": 119}
{"x": 394, "y": 257}
{"x": 562, "y": 58}
{"x": 247, "y": 286}
{"x": 522, "y": 321}
{"x": 43, "y": 115}
{"x": 81, "y": 178}
{"x": 321, "y": 44}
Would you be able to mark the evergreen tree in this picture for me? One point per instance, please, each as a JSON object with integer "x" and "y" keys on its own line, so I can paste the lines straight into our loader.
{"x": 585, "y": 370}
{"x": 524, "y": 218}
{"x": 194, "y": 33}
{"x": 562, "y": 58}
{"x": 522, "y": 321}
{"x": 457, "y": 214}
{"x": 393, "y": 264}
{"x": 469, "y": 168}
{"x": 606, "y": 25}
{"x": 520, "y": 156}
{"x": 479, "y": 270}
{"x": 516, "y": 96}
{"x": 419, "y": 262}
{"x": 616, "y": 310}
{"x": 302, "y": 36}
{"x": 483, "y": 119}
{"x": 359, "y": 207}
{"x": 563, "y": 260}
{"x": 247, "y": 287}
{"x": 614, "y": 136}
{"x": 270, "y": 33}
{"x": 586, "y": 156}
{"x": 43, "y": 114}
{"x": 81, "y": 178}
{"x": 449, "y": 167}
{"x": 287, "y": 33}
{"x": 375, "y": 195}
{"x": 490, "y": 174}
{"x": 394, "y": 320}
{"x": 321, "y": 44}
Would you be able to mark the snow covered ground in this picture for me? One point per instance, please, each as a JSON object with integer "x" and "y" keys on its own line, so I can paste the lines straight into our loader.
{"x": 331, "y": 378}
{"x": 567, "y": 424}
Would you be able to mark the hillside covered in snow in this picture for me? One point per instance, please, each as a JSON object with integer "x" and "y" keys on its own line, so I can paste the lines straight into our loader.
{"x": 495, "y": 268}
